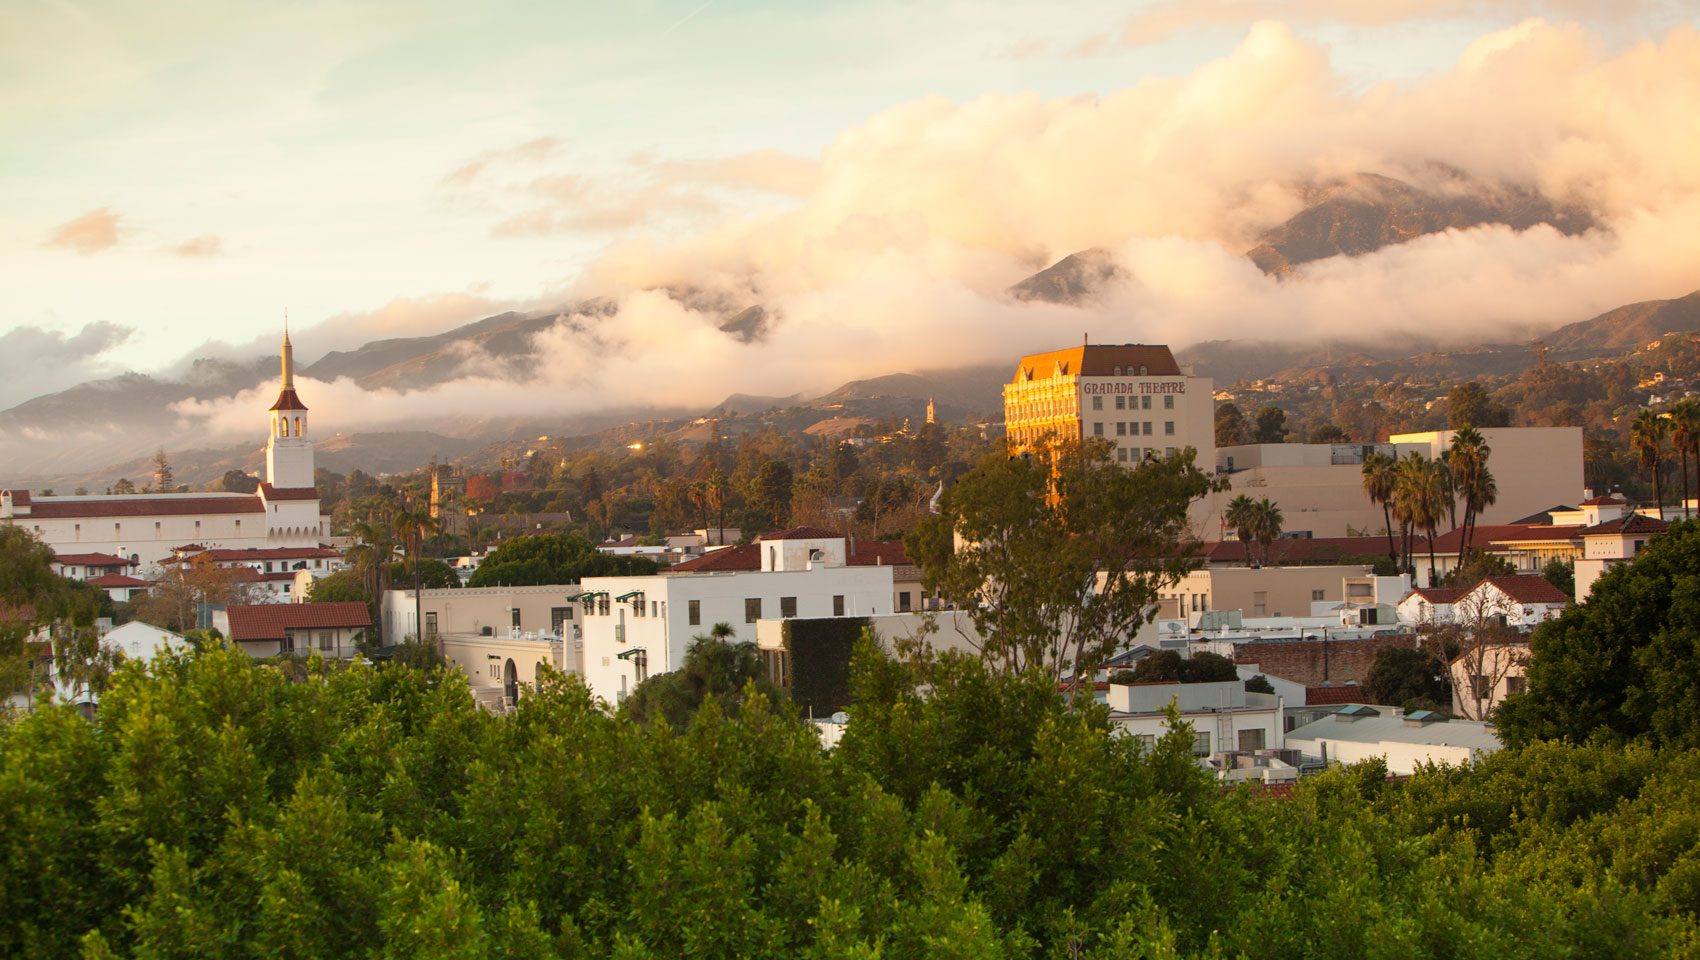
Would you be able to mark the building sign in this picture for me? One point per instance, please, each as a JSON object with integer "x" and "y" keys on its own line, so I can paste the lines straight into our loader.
{"x": 1166, "y": 386}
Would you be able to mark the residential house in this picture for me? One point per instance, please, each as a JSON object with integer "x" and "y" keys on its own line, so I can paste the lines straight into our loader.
{"x": 273, "y": 629}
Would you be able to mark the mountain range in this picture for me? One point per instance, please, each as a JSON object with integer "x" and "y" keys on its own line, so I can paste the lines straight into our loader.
{"x": 94, "y": 432}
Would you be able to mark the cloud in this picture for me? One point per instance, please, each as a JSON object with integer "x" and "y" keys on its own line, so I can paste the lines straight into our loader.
{"x": 900, "y": 241}
{"x": 92, "y": 232}
{"x": 530, "y": 152}
{"x": 205, "y": 245}
{"x": 34, "y": 360}
{"x": 1157, "y": 22}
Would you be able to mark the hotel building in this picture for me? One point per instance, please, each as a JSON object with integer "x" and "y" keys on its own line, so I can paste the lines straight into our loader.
{"x": 1134, "y": 395}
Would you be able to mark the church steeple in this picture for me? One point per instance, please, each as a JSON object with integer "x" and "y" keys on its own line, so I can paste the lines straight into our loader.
{"x": 289, "y": 454}
{"x": 288, "y": 358}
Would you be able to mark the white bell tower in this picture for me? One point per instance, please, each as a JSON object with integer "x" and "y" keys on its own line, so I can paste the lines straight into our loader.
{"x": 289, "y": 453}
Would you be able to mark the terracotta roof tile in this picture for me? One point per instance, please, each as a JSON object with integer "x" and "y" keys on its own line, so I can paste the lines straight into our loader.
{"x": 20, "y": 498}
{"x": 93, "y": 560}
{"x": 226, "y": 555}
{"x": 1625, "y": 526}
{"x": 887, "y": 552}
{"x": 801, "y": 533}
{"x": 1527, "y": 589}
{"x": 1604, "y": 501}
{"x": 117, "y": 580}
{"x": 1316, "y": 549}
{"x": 1100, "y": 360}
{"x": 287, "y": 400}
{"x": 145, "y": 505}
{"x": 268, "y": 621}
{"x": 288, "y": 493}
{"x": 744, "y": 556}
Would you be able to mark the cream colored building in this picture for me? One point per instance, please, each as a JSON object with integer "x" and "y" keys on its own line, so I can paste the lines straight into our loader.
{"x": 1491, "y": 673}
{"x": 1134, "y": 395}
{"x": 1263, "y": 591}
{"x": 482, "y": 611}
{"x": 501, "y": 670}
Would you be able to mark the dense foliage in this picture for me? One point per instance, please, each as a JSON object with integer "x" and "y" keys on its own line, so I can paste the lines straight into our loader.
{"x": 548, "y": 558}
{"x": 216, "y": 808}
{"x": 1625, "y": 664}
{"x": 715, "y": 668}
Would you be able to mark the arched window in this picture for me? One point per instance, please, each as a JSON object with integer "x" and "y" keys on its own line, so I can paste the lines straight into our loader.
{"x": 283, "y": 426}
{"x": 298, "y": 426}
{"x": 1142, "y": 370}
{"x": 1118, "y": 371}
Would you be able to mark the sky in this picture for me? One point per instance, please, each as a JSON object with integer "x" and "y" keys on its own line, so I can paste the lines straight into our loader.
{"x": 176, "y": 176}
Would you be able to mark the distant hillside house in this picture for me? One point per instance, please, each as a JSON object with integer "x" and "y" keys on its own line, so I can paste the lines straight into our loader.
{"x": 141, "y": 528}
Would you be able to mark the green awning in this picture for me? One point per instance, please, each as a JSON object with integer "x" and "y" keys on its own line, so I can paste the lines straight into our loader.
{"x": 579, "y": 596}
{"x": 627, "y": 596}
{"x": 628, "y": 654}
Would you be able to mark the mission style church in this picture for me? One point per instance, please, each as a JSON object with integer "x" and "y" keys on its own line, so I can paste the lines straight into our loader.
{"x": 146, "y": 528}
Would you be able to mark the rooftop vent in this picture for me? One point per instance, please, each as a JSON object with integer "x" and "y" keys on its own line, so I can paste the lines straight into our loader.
{"x": 1356, "y": 712}
{"x": 1422, "y": 718}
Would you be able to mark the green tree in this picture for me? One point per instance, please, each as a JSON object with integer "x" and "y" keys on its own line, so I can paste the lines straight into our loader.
{"x": 552, "y": 558}
{"x": 1330, "y": 433}
{"x": 1230, "y": 425}
{"x": 1168, "y": 666}
{"x": 1400, "y": 674}
{"x": 772, "y": 494}
{"x": 715, "y": 668}
{"x": 1561, "y": 574}
{"x": 1624, "y": 664}
{"x": 1468, "y": 466}
{"x": 413, "y": 528}
{"x": 1271, "y": 425}
{"x": 1110, "y": 537}
{"x": 1468, "y": 405}
{"x": 1240, "y": 515}
{"x": 1380, "y": 479}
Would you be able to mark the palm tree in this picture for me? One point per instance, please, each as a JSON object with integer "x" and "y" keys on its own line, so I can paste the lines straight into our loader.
{"x": 371, "y": 555}
{"x": 1379, "y": 476}
{"x": 1240, "y": 514}
{"x": 718, "y": 484}
{"x": 1685, "y": 437}
{"x": 1468, "y": 465}
{"x": 1266, "y": 525}
{"x": 412, "y": 527}
{"x": 1420, "y": 494}
{"x": 1647, "y": 436}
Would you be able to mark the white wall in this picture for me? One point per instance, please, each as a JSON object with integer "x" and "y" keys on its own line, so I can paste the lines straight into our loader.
{"x": 468, "y": 610}
{"x": 664, "y": 631}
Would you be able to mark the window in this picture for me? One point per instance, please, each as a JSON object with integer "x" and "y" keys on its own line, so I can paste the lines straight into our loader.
{"x": 287, "y": 644}
{"x": 1201, "y": 744}
{"x": 431, "y": 623}
{"x": 1259, "y": 603}
{"x": 1168, "y": 428}
{"x": 1251, "y": 740}
{"x": 1318, "y": 594}
{"x": 1145, "y": 428}
{"x": 1121, "y": 454}
{"x": 1145, "y": 403}
{"x": 197, "y": 528}
{"x": 1097, "y": 403}
{"x": 903, "y": 602}
{"x": 787, "y": 607}
{"x": 640, "y": 665}
{"x": 327, "y": 639}
{"x": 1147, "y": 740}
{"x": 1121, "y": 403}
{"x": 1168, "y": 451}
{"x": 1121, "y": 428}
{"x": 1516, "y": 684}
{"x": 516, "y": 618}
{"x": 1168, "y": 401}
{"x": 838, "y": 605}
{"x": 693, "y": 612}
{"x": 655, "y": 608}
{"x": 1117, "y": 372}
{"x": 156, "y": 528}
{"x": 1143, "y": 370}
{"x": 752, "y": 609}
{"x": 1480, "y": 687}
{"x": 1098, "y": 429}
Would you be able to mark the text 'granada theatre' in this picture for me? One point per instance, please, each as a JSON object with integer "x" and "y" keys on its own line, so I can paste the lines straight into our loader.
{"x": 1132, "y": 394}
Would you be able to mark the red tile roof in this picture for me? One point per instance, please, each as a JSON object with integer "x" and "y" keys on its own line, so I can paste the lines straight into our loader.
{"x": 288, "y": 493}
{"x": 117, "y": 580}
{"x": 226, "y": 555}
{"x": 1100, "y": 360}
{"x": 1327, "y": 696}
{"x": 871, "y": 552}
{"x": 20, "y": 498}
{"x": 1436, "y": 594}
{"x": 1527, "y": 589}
{"x": 24, "y": 612}
{"x": 268, "y": 621}
{"x": 93, "y": 559}
{"x": 744, "y": 556}
{"x": 801, "y": 533}
{"x": 1491, "y": 533}
{"x": 156, "y": 505}
{"x": 287, "y": 400}
{"x": 1605, "y": 501}
{"x": 1626, "y": 526}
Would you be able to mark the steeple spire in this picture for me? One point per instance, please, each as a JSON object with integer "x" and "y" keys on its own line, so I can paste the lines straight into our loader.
{"x": 288, "y": 356}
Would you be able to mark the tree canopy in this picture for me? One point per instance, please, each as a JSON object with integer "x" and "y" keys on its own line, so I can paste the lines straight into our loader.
{"x": 1063, "y": 554}
{"x": 715, "y": 668}
{"x": 547, "y": 558}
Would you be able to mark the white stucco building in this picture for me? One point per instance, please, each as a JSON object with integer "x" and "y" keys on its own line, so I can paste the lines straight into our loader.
{"x": 1360, "y": 733}
{"x": 283, "y": 512}
{"x": 636, "y": 626}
